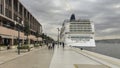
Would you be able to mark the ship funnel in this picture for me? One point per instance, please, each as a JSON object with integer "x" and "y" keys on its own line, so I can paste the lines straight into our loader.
{"x": 72, "y": 18}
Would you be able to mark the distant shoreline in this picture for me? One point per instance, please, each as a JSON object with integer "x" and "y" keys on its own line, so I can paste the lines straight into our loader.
{"x": 108, "y": 41}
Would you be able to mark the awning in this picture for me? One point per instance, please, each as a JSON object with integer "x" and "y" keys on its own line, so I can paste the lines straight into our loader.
{"x": 10, "y": 37}
{"x": 5, "y": 36}
{"x": 40, "y": 39}
{"x": 16, "y": 37}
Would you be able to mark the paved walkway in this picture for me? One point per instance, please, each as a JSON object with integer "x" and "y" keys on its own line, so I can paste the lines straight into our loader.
{"x": 68, "y": 58}
{"x": 44, "y": 58}
{"x": 39, "y": 58}
{"x": 8, "y": 55}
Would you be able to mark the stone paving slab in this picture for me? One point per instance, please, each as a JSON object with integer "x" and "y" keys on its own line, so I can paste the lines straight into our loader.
{"x": 8, "y": 55}
{"x": 90, "y": 66}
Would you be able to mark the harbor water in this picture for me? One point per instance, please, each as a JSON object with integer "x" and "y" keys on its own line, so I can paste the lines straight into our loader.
{"x": 109, "y": 49}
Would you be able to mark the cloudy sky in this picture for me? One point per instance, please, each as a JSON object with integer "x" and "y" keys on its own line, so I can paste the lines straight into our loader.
{"x": 51, "y": 13}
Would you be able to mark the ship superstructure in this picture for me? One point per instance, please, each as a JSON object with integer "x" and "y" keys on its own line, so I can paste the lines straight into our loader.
{"x": 77, "y": 32}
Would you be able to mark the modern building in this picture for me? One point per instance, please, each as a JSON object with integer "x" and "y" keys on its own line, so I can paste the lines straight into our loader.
{"x": 77, "y": 32}
{"x": 13, "y": 17}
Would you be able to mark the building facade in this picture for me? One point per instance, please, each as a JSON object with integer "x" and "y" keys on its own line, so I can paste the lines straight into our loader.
{"x": 12, "y": 14}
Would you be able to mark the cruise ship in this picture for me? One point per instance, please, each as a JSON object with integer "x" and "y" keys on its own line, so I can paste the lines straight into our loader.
{"x": 78, "y": 32}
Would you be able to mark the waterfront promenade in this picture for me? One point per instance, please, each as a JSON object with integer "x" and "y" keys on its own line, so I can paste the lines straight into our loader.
{"x": 68, "y": 57}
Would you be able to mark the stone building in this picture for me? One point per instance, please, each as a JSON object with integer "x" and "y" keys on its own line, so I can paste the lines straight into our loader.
{"x": 13, "y": 13}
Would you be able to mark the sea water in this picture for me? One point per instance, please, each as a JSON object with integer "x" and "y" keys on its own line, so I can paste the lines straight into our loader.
{"x": 109, "y": 49}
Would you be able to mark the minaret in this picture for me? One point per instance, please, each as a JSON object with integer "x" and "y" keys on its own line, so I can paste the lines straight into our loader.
{"x": 72, "y": 18}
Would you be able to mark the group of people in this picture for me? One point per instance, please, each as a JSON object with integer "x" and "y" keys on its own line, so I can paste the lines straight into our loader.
{"x": 52, "y": 45}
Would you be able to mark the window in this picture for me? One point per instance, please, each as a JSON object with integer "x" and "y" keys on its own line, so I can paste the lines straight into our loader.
{"x": 1, "y": 7}
{"x": 8, "y": 2}
{"x": 20, "y": 9}
{"x": 81, "y": 38}
{"x": 8, "y": 13}
{"x": 80, "y": 27}
{"x": 15, "y": 5}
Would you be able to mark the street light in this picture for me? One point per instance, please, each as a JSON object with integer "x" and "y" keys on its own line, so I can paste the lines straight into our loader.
{"x": 18, "y": 27}
{"x": 58, "y": 36}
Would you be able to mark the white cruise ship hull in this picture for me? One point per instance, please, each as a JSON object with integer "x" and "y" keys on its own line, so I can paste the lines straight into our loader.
{"x": 90, "y": 43}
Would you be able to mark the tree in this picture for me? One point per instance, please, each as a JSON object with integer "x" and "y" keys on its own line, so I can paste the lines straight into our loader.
{"x": 27, "y": 30}
{"x": 46, "y": 38}
{"x": 37, "y": 35}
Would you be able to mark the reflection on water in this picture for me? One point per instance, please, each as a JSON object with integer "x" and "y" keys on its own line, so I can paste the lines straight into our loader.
{"x": 109, "y": 49}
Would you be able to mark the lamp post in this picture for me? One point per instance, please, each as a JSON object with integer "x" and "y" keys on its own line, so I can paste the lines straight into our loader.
{"x": 18, "y": 28}
{"x": 58, "y": 36}
{"x": 18, "y": 40}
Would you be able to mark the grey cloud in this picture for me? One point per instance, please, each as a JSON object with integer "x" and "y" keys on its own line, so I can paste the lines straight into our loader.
{"x": 101, "y": 12}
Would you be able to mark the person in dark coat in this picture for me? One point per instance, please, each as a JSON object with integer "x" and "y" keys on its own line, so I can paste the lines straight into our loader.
{"x": 53, "y": 45}
{"x": 63, "y": 45}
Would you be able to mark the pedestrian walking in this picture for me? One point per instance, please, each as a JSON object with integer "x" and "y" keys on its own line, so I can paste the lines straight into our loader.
{"x": 49, "y": 46}
{"x": 8, "y": 46}
{"x": 63, "y": 45}
{"x": 53, "y": 45}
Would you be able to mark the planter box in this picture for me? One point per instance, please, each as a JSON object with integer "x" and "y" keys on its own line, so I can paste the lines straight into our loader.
{"x": 12, "y": 47}
{"x": 3, "y": 48}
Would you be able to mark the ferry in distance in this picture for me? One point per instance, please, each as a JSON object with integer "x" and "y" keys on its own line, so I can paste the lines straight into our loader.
{"x": 78, "y": 32}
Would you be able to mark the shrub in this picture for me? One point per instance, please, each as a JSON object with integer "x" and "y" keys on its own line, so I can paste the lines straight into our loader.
{"x": 23, "y": 47}
{"x": 36, "y": 45}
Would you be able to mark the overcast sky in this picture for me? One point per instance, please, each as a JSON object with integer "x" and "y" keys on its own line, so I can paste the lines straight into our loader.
{"x": 105, "y": 14}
